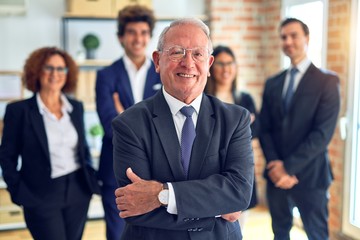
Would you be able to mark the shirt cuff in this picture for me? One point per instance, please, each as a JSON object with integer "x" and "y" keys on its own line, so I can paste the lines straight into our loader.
{"x": 171, "y": 208}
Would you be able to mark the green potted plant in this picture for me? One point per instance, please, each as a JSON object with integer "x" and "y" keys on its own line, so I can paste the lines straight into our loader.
{"x": 90, "y": 42}
{"x": 96, "y": 132}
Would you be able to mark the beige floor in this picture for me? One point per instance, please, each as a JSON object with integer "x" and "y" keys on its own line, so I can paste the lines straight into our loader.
{"x": 257, "y": 227}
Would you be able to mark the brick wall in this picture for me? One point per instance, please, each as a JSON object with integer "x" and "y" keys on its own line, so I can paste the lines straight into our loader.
{"x": 250, "y": 28}
{"x": 338, "y": 61}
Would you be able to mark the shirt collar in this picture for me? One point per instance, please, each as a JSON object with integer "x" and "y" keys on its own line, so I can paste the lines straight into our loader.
{"x": 66, "y": 105}
{"x": 130, "y": 65}
{"x": 175, "y": 105}
{"x": 302, "y": 66}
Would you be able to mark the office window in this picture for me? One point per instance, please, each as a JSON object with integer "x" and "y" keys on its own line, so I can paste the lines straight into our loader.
{"x": 314, "y": 14}
{"x": 351, "y": 199}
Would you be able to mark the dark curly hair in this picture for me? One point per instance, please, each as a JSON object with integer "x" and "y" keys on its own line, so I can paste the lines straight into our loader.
{"x": 135, "y": 13}
{"x": 34, "y": 67}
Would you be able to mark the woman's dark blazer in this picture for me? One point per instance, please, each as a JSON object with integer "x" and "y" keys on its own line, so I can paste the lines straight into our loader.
{"x": 246, "y": 101}
{"x": 24, "y": 135}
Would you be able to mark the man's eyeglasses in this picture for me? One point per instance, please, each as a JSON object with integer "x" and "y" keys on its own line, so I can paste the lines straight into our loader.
{"x": 59, "y": 70}
{"x": 177, "y": 53}
{"x": 224, "y": 64}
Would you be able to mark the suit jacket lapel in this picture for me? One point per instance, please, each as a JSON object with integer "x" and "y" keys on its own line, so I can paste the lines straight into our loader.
{"x": 304, "y": 83}
{"x": 151, "y": 81}
{"x": 278, "y": 92}
{"x": 124, "y": 86}
{"x": 165, "y": 127}
{"x": 204, "y": 133}
{"x": 76, "y": 120}
{"x": 38, "y": 124}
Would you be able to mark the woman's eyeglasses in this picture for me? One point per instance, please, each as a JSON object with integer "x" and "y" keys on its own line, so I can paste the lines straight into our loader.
{"x": 59, "y": 70}
{"x": 177, "y": 53}
{"x": 224, "y": 64}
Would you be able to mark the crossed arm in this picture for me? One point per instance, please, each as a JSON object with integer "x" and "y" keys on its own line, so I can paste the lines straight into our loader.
{"x": 140, "y": 197}
{"x": 201, "y": 199}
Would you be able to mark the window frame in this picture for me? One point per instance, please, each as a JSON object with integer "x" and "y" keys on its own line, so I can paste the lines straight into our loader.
{"x": 352, "y": 118}
{"x": 288, "y": 3}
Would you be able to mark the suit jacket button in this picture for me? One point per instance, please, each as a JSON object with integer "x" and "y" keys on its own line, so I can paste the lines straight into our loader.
{"x": 192, "y": 219}
{"x": 195, "y": 229}
{"x": 200, "y": 229}
{"x": 189, "y": 229}
{"x": 197, "y": 219}
{"x": 186, "y": 219}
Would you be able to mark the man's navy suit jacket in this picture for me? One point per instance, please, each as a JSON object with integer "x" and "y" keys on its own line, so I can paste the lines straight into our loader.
{"x": 110, "y": 80}
{"x": 300, "y": 137}
{"x": 220, "y": 173}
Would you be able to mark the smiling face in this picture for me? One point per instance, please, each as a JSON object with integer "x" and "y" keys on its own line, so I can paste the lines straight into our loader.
{"x": 184, "y": 79}
{"x": 294, "y": 42}
{"x": 135, "y": 39}
{"x": 224, "y": 69}
{"x": 53, "y": 77}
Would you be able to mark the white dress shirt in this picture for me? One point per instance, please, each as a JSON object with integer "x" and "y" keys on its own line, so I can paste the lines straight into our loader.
{"x": 137, "y": 77}
{"x": 179, "y": 119}
{"x": 62, "y": 138}
{"x": 301, "y": 67}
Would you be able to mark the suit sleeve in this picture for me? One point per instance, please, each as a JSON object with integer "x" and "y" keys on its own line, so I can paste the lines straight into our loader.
{"x": 266, "y": 125}
{"x": 10, "y": 149}
{"x": 322, "y": 130}
{"x": 104, "y": 100}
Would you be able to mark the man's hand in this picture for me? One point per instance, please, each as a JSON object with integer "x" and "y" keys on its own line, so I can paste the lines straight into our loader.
{"x": 231, "y": 217}
{"x": 138, "y": 197}
{"x": 252, "y": 118}
{"x": 276, "y": 170}
{"x": 118, "y": 105}
{"x": 279, "y": 176}
{"x": 287, "y": 182}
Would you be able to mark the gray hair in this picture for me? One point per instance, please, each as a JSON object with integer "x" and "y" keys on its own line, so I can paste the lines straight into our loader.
{"x": 184, "y": 21}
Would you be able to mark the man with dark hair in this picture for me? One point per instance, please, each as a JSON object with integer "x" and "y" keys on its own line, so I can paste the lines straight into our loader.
{"x": 298, "y": 118}
{"x": 128, "y": 80}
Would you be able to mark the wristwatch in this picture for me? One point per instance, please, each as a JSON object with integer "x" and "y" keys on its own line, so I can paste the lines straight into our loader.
{"x": 164, "y": 195}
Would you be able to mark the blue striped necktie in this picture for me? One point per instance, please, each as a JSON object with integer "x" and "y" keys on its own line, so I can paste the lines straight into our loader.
{"x": 187, "y": 137}
{"x": 290, "y": 90}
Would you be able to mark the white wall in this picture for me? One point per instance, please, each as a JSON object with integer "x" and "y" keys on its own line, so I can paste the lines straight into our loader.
{"x": 20, "y": 35}
{"x": 41, "y": 26}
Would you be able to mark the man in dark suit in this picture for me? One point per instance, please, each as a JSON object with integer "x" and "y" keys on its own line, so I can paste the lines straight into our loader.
{"x": 128, "y": 80}
{"x": 298, "y": 117}
{"x": 168, "y": 188}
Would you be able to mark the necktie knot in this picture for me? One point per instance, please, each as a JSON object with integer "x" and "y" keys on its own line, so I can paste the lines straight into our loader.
{"x": 293, "y": 71}
{"x": 187, "y": 111}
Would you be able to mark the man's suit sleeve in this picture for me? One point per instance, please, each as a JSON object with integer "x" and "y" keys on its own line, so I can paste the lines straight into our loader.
{"x": 104, "y": 99}
{"x": 322, "y": 130}
{"x": 266, "y": 125}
